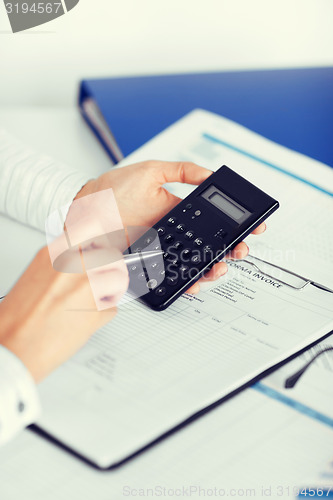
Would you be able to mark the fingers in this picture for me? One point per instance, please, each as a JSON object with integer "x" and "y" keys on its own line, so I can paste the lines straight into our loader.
{"x": 172, "y": 202}
{"x": 193, "y": 289}
{"x": 215, "y": 273}
{"x": 108, "y": 284}
{"x": 221, "y": 268}
{"x": 185, "y": 172}
{"x": 239, "y": 252}
{"x": 260, "y": 229}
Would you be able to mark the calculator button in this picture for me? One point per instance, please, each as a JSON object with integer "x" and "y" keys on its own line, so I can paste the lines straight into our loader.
{"x": 189, "y": 235}
{"x": 142, "y": 277}
{"x": 133, "y": 268}
{"x": 197, "y": 213}
{"x": 198, "y": 242}
{"x": 169, "y": 238}
{"x": 196, "y": 259}
{"x": 162, "y": 273}
{"x": 174, "y": 261}
{"x": 160, "y": 291}
{"x": 155, "y": 265}
{"x": 180, "y": 228}
{"x": 151, "y": 284}
{"x": 171, "y": 221}
{"x": 172, "y": 280}
{"x": 183, "y": 270}
{"x": 208, "y": 252}
{"x": 208, "y": 248}
{"x": 148, "y": 240}
{"x": 178, "y": 245}
{"x": 186, "y": 253}
{"x": 166, "y": 255}
{"x": 187, "y": 207}
{"x": 221, "y": 233}
{"x": 172, "y": 258}
{"x": 137, "y": 249}
{"x": 161, "y": 231}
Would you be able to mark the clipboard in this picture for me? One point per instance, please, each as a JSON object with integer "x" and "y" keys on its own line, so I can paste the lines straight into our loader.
{"x": 139, "y": 440}
{"x": 284, "y": 276}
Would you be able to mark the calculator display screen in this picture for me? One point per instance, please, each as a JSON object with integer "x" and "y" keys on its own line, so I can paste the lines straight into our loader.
{"x": 226, "y": 204}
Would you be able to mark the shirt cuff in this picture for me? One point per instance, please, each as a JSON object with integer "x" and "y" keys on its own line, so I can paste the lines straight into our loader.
{"x": 19, "y": 401}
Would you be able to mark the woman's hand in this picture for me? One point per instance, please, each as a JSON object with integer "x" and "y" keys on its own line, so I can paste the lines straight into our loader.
{"x": 49, "y": 315}
{"x": 142, "y": 200}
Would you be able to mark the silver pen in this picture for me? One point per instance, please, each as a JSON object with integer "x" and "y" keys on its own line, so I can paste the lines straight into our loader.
{"x": 133, "y": 258}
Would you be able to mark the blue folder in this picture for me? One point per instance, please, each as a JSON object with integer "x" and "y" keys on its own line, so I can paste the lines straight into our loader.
{"x": 293, "y": 107}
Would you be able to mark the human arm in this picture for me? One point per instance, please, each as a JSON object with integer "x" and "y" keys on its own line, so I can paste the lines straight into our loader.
{"x": 32, "y": 185}
{"x": 45, "y": 319}
{"x": 31, "y": 332}
{"x": 53, "y": 310}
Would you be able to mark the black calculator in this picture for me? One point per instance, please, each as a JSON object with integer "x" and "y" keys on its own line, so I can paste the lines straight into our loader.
{"x": 194, "y": 235}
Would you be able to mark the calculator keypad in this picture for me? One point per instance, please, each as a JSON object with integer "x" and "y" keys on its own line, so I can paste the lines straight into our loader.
{"x": 185, "y": 254}
{"x": 185, "y": 251}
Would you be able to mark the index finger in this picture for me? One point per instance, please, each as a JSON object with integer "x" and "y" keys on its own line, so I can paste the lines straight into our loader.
{"x": 184, "y": 172}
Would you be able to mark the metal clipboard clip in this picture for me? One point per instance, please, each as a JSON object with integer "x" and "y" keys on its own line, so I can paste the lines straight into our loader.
{"x": 282, "y": 275}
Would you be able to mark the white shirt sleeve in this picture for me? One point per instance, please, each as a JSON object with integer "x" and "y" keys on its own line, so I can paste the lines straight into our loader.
{"x": 33, "y": 185}
{"x": 19, "y": 402}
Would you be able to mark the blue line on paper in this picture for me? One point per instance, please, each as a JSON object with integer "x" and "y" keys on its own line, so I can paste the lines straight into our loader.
{"x": 264, "y": 162}
{"x": 300, "y": 407}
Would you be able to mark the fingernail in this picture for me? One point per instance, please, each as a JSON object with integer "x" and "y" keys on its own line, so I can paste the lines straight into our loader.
{"x": 106, "y": 298}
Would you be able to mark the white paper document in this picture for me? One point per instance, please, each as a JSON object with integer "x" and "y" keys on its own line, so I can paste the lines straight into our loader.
{"x": 147, "y": 372}
{"x": 300, "y": 235}
{"x": 251, "y": 446}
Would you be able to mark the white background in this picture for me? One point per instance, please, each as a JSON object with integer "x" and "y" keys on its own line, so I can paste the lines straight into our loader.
{"x": 133, "y": 37}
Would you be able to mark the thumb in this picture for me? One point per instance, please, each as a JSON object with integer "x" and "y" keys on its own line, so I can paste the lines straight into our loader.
{"x": 184, "y": 172}
{"x": 173, "y": 201}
